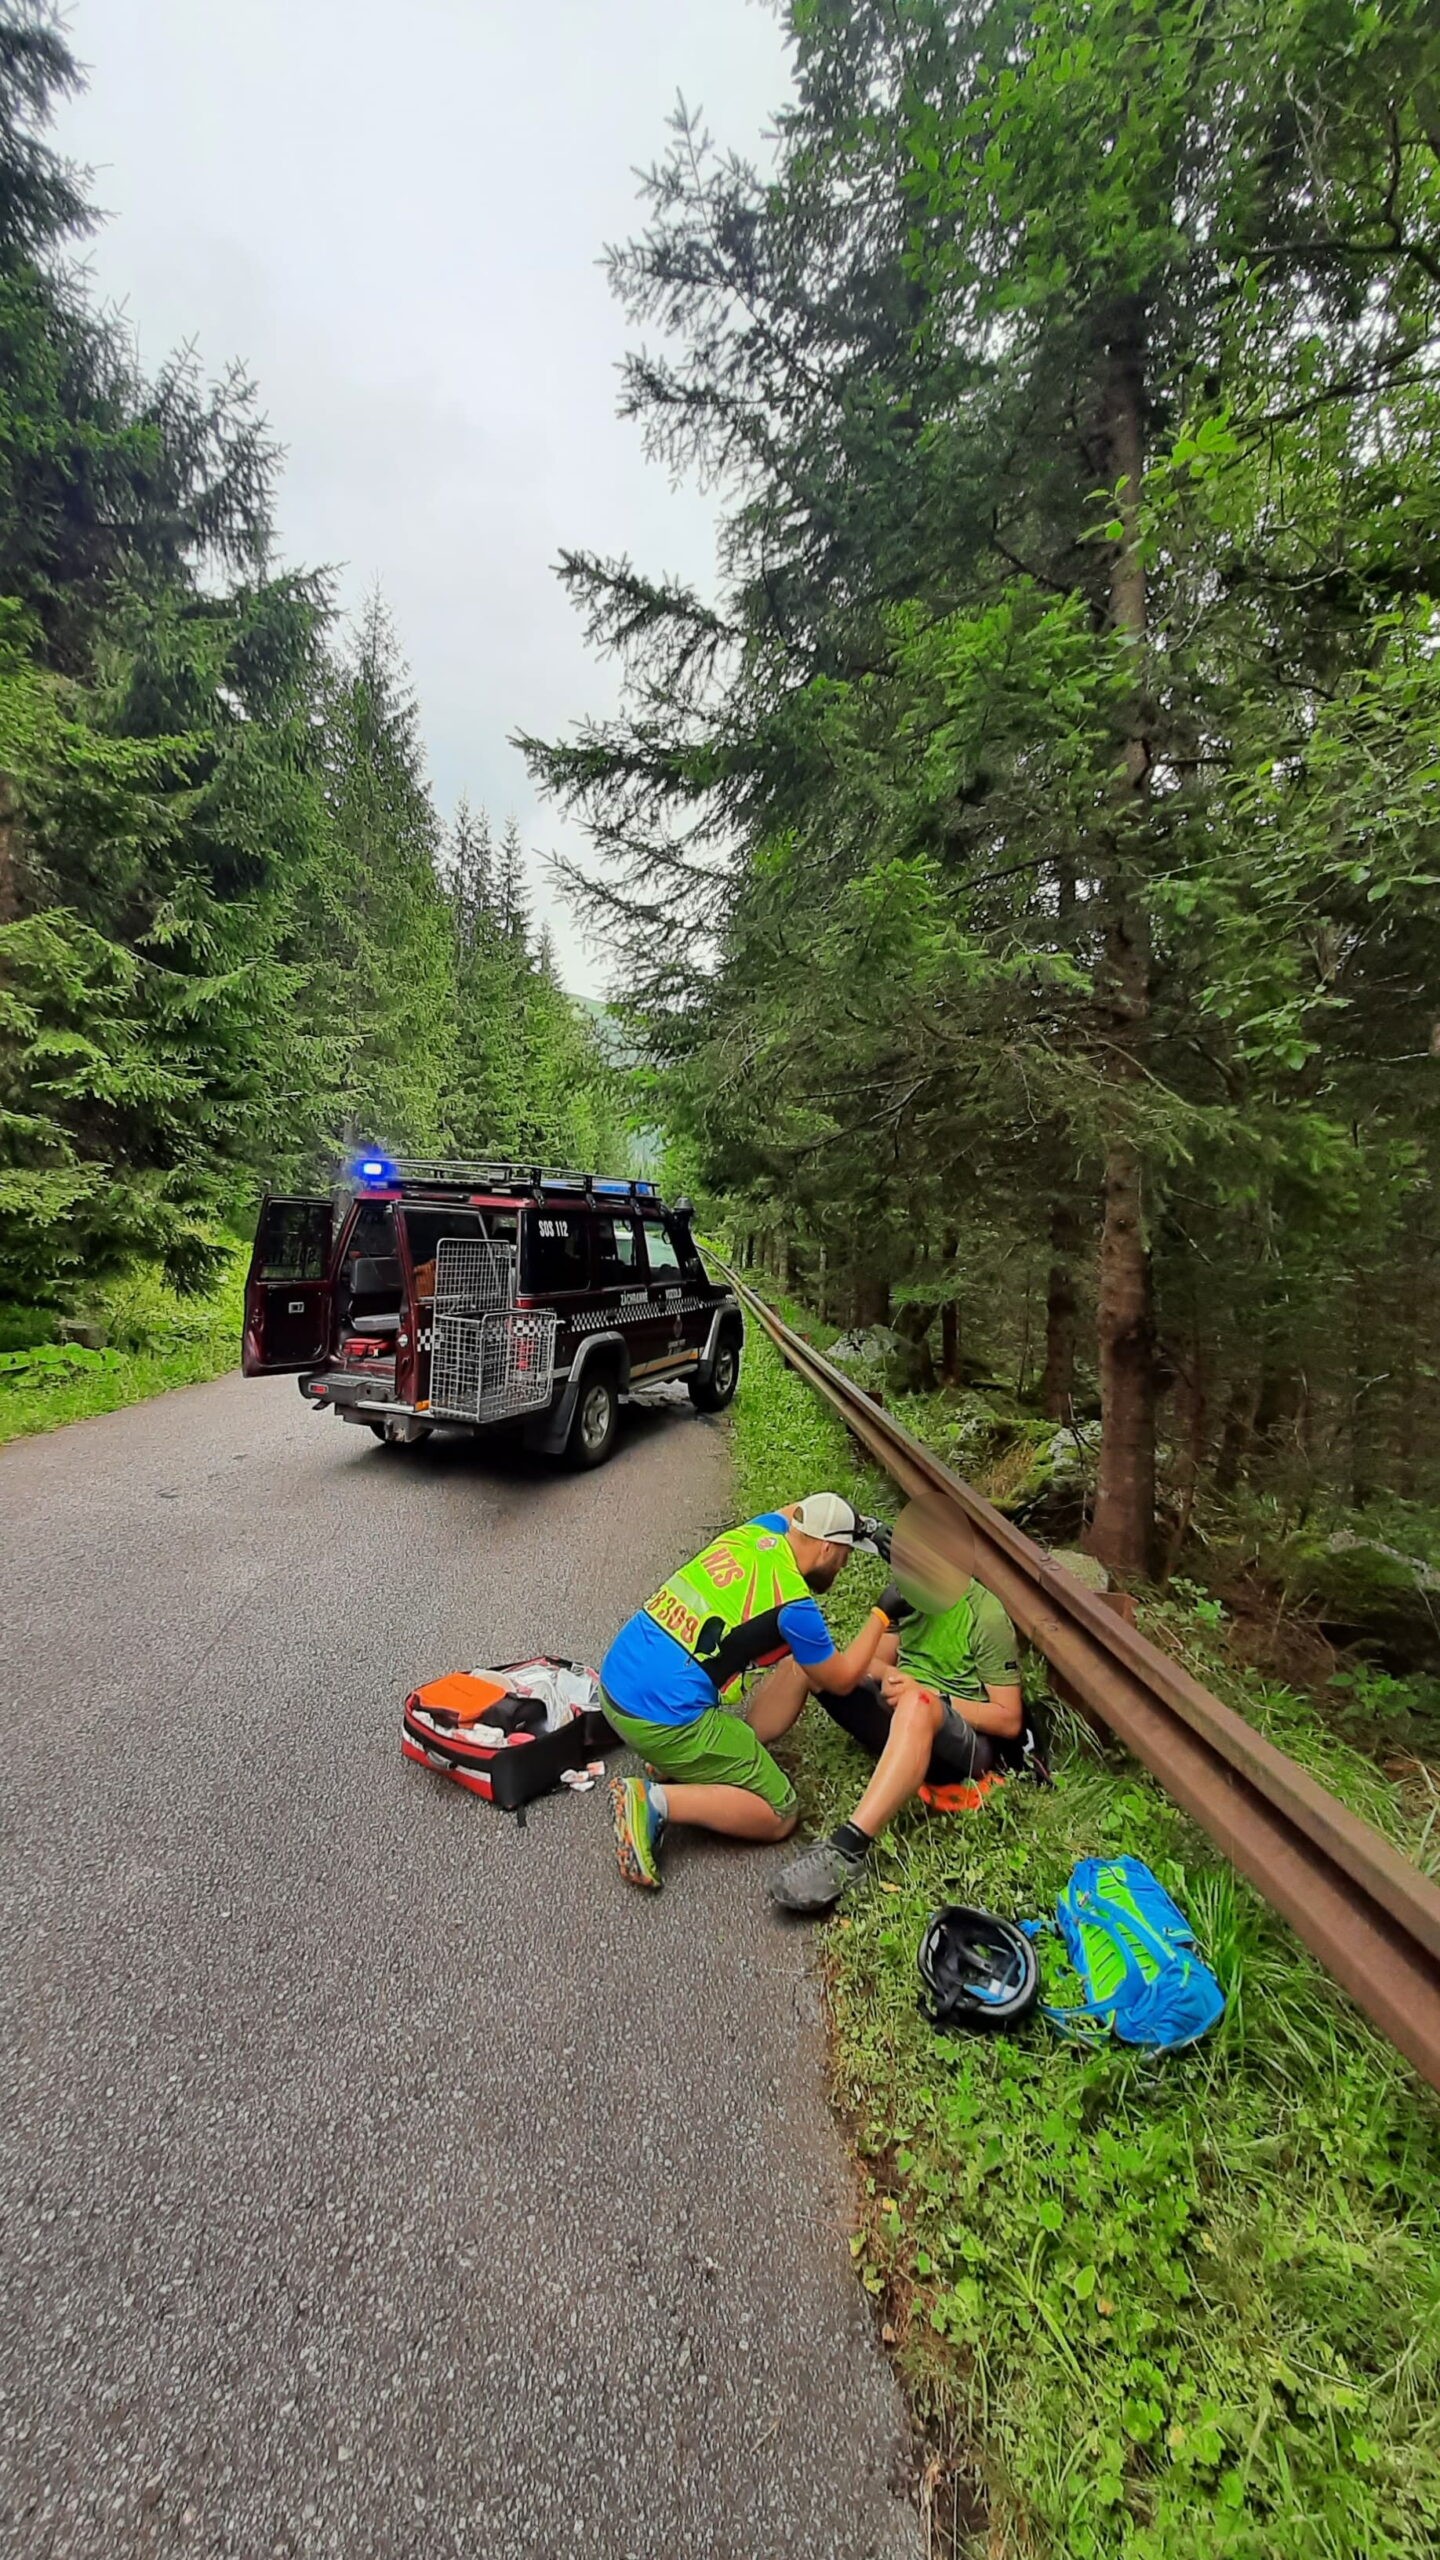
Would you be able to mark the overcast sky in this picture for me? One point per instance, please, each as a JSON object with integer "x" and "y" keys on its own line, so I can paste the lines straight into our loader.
{"x": 394, "y": 215}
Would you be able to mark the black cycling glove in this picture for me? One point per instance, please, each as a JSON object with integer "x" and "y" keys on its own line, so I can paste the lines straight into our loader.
{"x": 895, "y": 1605}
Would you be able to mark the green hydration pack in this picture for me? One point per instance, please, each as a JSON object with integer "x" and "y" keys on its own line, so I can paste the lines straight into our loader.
{"x": 723, "y": 1607}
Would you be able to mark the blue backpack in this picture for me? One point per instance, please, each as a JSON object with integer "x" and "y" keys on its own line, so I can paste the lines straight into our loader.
{"x": 1135, "y": 1954}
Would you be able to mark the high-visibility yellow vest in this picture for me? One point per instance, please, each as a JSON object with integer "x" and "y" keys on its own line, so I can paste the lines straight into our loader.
{"x": 750, "y": 1573}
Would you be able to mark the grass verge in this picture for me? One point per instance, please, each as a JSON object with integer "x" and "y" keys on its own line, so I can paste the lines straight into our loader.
{"x": 1151, "y": 2307}
{"x": 154, "y": 1341}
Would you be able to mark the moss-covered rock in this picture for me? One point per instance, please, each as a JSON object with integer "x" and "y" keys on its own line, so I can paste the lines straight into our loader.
{"x": 869, "y": 1353}
{"x": 1038, "y": 1471}
{"x": 1367, "y": 1590}
{"x": 1050, "y": 1493}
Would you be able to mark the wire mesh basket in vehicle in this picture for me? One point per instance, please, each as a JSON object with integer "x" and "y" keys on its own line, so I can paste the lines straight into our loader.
{"x": 473, "y": 1273}
{"x": 484, "y": 1368}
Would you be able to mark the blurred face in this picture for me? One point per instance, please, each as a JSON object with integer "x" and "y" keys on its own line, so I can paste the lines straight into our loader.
{"x": 820, "y": 1560}
{"x": 932, "y": 1558}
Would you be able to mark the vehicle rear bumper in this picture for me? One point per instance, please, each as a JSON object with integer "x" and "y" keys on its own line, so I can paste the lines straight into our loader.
{"x": 355, "y": 1399}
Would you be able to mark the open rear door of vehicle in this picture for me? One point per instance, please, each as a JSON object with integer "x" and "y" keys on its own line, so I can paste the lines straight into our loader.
{"x": 288, "y": 1296}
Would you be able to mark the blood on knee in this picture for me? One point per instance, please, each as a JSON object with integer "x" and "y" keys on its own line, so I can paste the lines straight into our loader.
{"x": 921, "y": 1707}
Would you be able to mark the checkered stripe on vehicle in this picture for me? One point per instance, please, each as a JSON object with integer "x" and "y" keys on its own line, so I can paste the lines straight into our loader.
{"x": 605, "y": 1319}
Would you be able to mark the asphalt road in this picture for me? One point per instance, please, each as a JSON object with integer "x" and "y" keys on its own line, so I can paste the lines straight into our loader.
{"x": 383, "y": 2179}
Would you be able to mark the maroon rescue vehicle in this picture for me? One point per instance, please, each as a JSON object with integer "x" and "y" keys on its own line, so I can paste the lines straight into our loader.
{"x": 470, "y": 1295}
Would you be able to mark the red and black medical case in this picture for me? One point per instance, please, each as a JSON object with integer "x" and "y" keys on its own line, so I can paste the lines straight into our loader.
{"x": 436, "y": 1733}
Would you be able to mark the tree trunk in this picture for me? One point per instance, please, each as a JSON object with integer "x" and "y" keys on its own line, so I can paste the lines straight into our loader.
{"x": 1408, "y": 1436}
{"x": 1237, "y": 1430}
{"x": 1057, "y": 1390}
{"x": 913, "y": 1326}
{"x": 1193, "y": 1415}
{"x": 872, "y": 1299}
{"x": 1278, "y": 1403}
{"x": 950, "y": 1319}
{"x": 1368, "y": 1379}
{"x": 1122, "y": 1532}
{"x": 9, "y": 829}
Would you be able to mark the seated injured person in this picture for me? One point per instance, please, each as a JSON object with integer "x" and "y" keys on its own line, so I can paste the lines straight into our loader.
{"x": 940, "y": 1707}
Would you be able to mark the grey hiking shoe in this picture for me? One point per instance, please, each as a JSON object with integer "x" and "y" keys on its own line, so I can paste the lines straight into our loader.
{"x": 815, "y": 1881}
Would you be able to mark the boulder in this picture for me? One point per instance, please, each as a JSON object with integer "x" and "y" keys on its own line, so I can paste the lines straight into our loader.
{"x": 870, "y": 1347}
{"x": 1044, "y": 1479}
{"x": 1073, "y": 1450}
{"x": 1371, "y": 1592}
{"x": 979, "y": 1429}
{"x": 88, "y": 1331}
{"x": 1082, "y": 1567}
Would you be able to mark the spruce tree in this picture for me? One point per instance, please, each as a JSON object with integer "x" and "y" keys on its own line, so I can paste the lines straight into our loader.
{"x": 1044, "y": 378}
{"x": 386, "y": 978}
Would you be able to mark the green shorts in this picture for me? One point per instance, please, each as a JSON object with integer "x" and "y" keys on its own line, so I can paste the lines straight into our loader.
{"x": 713, "y": 1750}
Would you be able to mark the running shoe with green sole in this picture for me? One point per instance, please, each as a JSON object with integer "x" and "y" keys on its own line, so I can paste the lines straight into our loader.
{"x": 638, "y": 1833}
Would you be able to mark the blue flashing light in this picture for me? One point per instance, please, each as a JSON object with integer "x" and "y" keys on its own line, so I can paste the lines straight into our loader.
{"x": 376, "y": 1169}
{"x": 612, "y": 1186}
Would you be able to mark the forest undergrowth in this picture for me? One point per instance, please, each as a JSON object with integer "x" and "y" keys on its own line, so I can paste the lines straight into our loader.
{"x": 1243, "y": 1603}
{"x": 1144, "y": 2307}
{"x": 141, "y": 1339}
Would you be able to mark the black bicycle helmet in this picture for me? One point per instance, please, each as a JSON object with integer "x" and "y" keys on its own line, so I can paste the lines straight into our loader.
{"x": 978, "y": 1971}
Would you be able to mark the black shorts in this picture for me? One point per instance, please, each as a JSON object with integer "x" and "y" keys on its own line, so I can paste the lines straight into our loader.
{"x": 960, "y": 1752}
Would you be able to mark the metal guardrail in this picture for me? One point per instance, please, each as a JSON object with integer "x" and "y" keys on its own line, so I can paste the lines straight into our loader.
{"x": 1369, "y": 1915}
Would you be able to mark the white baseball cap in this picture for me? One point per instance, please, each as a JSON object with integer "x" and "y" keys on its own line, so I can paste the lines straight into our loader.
{"x": 830, "y": 1516}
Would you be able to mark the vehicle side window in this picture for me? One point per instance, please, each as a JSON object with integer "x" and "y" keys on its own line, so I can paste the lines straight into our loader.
{"x": 557, "y": 1253}
{"x": 617, "y": 1253}
{"x": 663, "y": 1258}
{"x": 374, "y": 1230}
{"x": 426, "y": 1228}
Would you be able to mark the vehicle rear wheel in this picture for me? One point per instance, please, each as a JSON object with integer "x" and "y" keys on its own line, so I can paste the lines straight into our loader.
{"x": 592, "y": 1431}
{"x": 712, "y": 1394}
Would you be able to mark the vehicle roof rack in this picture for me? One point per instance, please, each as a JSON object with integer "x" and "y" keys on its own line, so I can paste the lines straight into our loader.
{"x": 501, "y": 1173}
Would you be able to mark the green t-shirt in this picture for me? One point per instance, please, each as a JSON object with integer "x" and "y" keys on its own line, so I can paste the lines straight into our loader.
{"x": 965, "y": 1650}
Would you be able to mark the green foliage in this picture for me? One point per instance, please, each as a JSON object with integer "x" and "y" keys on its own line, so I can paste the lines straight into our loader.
{"x": 1036, "y": 849}
{"x": 1175, "y": 2308}
{"x": 530, "y": 1076}
{"x": 150, "y": 1339}
{"x": 381, "y": 991}
{"x": 1380, "y": 1712}
{"x": 227, "y": 951}
{"x": 46, "y": 1363}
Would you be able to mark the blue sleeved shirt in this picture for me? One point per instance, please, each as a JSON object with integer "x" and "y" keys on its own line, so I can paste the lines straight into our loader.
{"x": 650, "y": 1676}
